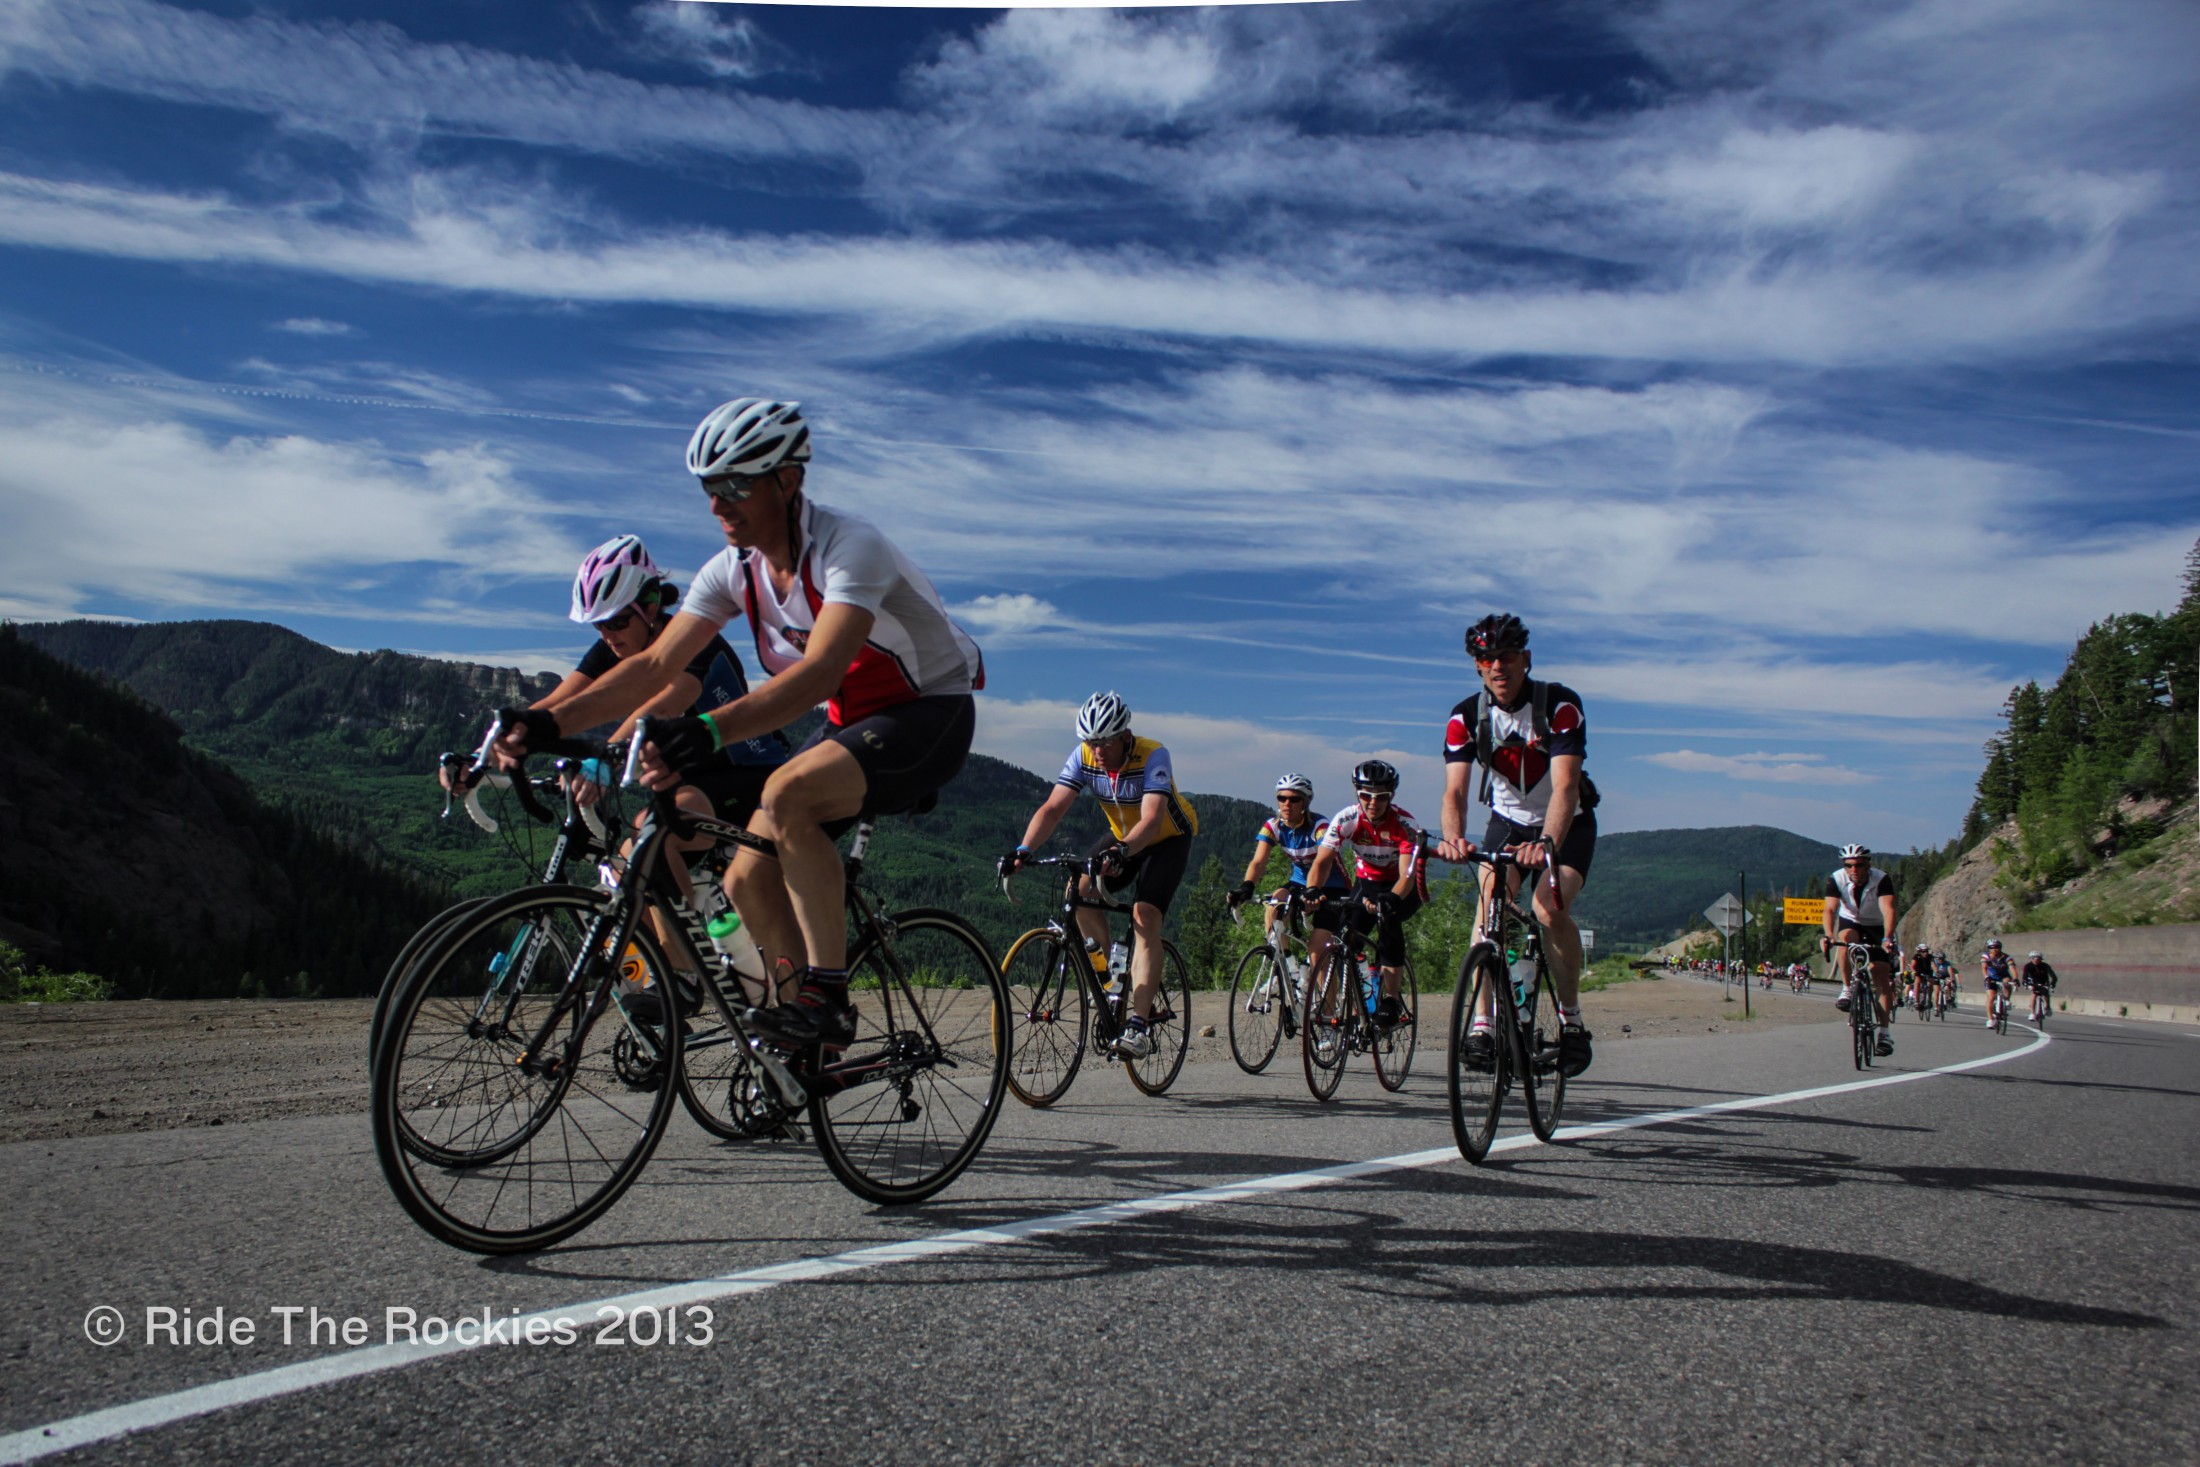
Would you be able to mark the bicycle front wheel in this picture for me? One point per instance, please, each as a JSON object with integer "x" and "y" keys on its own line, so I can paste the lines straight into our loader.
{"x": 1044, "y": 1035}
{"x": 1476, "y": 1081}
{"x": 1321, "y": 1025}
{"x": 720, "y": 1082}
{"x": 494, "y": 1156}
{"x": 905, "y": 1108}
{"x": 1170, "y": 1024}
{"x": 1543, "y": 1086}
{"x": 419, "y": 943}
{"x": 1257, "y": 997}
{"x": 1394, "y": 1050}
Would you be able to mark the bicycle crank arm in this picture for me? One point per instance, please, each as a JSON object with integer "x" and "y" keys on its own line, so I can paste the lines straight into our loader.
{"x": 791, "y": 1093}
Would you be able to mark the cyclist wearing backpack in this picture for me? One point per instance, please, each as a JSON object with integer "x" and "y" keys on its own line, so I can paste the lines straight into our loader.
{"x": 1529, "y": 739}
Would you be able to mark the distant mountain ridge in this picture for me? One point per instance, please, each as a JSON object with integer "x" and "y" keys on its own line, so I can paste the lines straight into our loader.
{"x": 126, "y": 854}
{"x": 348, "y": 740}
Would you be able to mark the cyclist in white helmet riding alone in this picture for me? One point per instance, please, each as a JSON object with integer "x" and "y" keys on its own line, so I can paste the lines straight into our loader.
{"x": 1150, "y": 825}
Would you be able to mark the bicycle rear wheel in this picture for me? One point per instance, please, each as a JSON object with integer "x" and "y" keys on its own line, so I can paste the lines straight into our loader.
{"x": 1258, "y": 994}
{"x": 1045, "y": 1033}
{"x": 1543, "y": 1086}
{"x": 496, "y": 1157}
{"x": 1477, "y": 1090}
{"x": 908, "y": 1105}
{"x": 1394, "y": 1050}
{"x": 1860, "y": 1031}
{"x": 1170, "y": 1024}
{"x": 1322, "y": 1016}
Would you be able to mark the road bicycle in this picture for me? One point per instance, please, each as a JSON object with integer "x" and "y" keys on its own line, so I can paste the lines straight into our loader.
{"x": 716, "y": 1089}
{"x": 2043, "y": 1004}
{"x": 581, "y": 836}
{"x": 1064, "y": 999}
{"x": 1265, "y": 989}
{"x": 541, "y": 1101}
{"x": 1943, "y": 1000}
{"x": 1921, "y": 999}
{"x": 1522, "y": 1017}
{"x": 1997, "y": 1008}
{"x": 1337, "y": 1015}
{"x": 1863, "y": 1004}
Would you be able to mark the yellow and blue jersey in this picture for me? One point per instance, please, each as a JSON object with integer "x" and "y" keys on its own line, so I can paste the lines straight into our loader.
{"x": 1147, "y": 772}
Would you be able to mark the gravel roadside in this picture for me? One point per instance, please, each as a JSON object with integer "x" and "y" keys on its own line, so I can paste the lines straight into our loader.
{"x": 100, "y": 1069}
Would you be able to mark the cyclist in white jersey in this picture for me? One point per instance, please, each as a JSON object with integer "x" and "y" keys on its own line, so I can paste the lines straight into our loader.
{"x": 1860, "y": 908}
{"x": 839, "y": 615}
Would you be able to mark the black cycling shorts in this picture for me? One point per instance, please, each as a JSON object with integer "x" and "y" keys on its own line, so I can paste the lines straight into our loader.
{"x": 1390, "y": 938}
{"x": 1576, "y": 854}
{"x": 1322, "y": 906}
{"x": 906, "y": 752}
{"x": 1153, "y": 875}
{"x": 734, "y": 790}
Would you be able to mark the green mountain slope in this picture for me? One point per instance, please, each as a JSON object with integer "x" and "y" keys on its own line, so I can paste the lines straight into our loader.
{"x": 1649, "y": 885}
{"x": 126, "y": 854}
{"x": 348, "y": 740}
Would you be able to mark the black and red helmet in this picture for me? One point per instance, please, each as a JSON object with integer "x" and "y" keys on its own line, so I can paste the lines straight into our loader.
{"x": 1496, "y": 634}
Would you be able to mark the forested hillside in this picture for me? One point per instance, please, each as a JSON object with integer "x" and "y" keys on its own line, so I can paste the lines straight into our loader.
{"x": 128, "y": 855}
{"x": 2090, "y": 767}
{"x": 1649, "y": 885}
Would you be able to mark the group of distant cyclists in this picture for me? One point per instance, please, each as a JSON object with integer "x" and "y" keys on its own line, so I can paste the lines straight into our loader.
{"x": 1860, "y": 909}
{"x": 839, "y": 615}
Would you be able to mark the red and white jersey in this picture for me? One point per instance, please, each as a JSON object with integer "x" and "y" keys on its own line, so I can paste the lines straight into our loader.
{"x": 1378, "y": 846}
{"x": 915, "y": 650}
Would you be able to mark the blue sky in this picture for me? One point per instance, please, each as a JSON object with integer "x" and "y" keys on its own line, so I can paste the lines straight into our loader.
{"x": 1805, "y": 375}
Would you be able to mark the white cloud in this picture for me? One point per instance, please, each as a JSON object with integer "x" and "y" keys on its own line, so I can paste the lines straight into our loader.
{"x": 315, "y": 326}
{"x": 1808, "y": 769}
{"x": 180, "y": 517}
{"x": 720, "y": 45}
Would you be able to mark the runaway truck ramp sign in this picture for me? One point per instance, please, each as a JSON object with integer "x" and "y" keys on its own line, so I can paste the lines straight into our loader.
{"x": 1727, "y": 915}
{"x": 1802, "y": 911}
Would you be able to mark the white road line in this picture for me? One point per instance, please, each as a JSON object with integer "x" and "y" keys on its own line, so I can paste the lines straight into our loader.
{"x": 97, "y": 1426}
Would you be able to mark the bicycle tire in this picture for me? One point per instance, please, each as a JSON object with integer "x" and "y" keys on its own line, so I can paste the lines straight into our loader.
{"x": 1170, "y": 1024}
{"x": 1860, "y": 1033}
{"x": 902, "y": 1134}
{"x": 1394, "y": 1051}
{"x": 1322, "y": 1051}
{"x": 1046, "y": 1016}
{"x": 587, "y": 1130}
{"x": 1543, "y": 1086}
{"x": 1477, "y": 1095}
{"x": 430, "y": 932}
{"x": 1258, "y": 992}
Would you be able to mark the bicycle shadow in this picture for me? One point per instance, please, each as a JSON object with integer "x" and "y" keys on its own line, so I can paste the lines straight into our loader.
{"x": 1380, "y": 1252}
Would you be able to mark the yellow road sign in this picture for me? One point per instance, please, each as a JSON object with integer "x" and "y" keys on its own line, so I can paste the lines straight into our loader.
{"x": 1803, "y": 911}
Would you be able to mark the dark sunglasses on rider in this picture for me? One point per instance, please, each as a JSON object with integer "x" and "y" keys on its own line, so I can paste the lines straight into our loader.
{"x": 623, "y": 620}
{"x": 1289, "y": 799}
{"x": 735, "y": 488}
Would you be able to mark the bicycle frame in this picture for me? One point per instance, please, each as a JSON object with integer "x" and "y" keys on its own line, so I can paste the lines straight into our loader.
{"x": 1107, "y": 1016}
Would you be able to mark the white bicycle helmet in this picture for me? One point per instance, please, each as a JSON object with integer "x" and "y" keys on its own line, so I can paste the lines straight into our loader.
{"x": 2035, "y": 955}
{"x": 750, "y": 435}
{"x": 1295, "y": 784}
{"x": 1104, "y": 716}
{"x": 612, "y": 578}
{"x": 1856, "y": 853}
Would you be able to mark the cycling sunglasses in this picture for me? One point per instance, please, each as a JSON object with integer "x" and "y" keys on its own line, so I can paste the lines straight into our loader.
{"x": 625, "y": 618}
{"x": 735, "y": 488}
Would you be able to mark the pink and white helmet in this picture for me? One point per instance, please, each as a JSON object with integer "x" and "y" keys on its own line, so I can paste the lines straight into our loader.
{"x": 612, "y": 578}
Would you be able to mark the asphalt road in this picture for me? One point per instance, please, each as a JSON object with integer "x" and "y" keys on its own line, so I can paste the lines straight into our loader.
{"x": 1995, "y": 1264}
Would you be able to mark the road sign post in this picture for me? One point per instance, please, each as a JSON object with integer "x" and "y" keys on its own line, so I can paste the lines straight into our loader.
{"x": 1727, "y": 916}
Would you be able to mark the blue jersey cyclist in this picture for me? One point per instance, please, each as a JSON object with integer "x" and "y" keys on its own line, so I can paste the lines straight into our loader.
{"x": 1149, "y": 840}
{"x": 1296, "y": 831}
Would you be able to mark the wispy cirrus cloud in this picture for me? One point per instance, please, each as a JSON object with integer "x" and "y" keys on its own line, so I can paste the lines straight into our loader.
{"x": 1793, "y": 768}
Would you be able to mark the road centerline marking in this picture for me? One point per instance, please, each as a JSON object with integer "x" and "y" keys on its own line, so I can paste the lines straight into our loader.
{"x": 70, "y": 1433}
